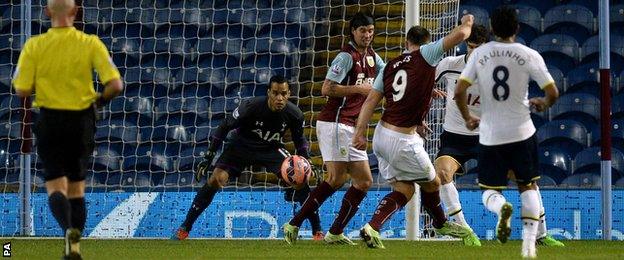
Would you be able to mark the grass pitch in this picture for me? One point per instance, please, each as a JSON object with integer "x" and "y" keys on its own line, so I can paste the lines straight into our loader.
{"x": 245, "y": 249}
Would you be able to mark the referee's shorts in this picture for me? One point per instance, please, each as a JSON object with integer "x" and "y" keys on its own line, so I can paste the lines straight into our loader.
{"x": 65, "y": 142}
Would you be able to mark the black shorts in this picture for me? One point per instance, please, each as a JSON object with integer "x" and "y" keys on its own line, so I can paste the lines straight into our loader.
{"x": 65, "y": 142}
{"x": 495, "y": 162}
{"x": 459, "y": 147}
{"x": 235, "y": 158}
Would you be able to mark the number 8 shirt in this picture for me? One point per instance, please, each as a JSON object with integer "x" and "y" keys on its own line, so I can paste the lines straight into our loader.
{"x": 502, "y": 72}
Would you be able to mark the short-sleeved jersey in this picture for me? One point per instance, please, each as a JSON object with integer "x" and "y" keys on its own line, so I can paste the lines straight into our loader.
{"x": 261, "y": 128}
{"x": 447, "y": 73}
{"x": 59, "y": 64}
{"x": 350, "y": 67}
{"x": 502, "y": 72}
{"x": 408, "y": 82}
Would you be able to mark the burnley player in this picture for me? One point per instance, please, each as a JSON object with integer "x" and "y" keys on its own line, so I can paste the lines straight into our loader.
{"x": 502, "y": 69}
{"x": 347, "y": 83}
{"x": 407, "y": 84}
{"x": 261, "y": 124}
{"x": 457, "y": 143}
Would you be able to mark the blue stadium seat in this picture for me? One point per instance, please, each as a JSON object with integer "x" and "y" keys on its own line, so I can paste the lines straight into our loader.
{"x": 175, "y": 104}
{"x": 555, "y": 163}
{"x": 11, "y": 129}
{"x": 616, "y": 16}
{"x": 191, "y": 157}
{"x": 136, "y": 109}
{"x": 617, "y": 134}
{"x": 96, "y": 20}
{"x": 196, "y": 91}
{"x": 591, "y": 46}
{"x": 619, "y": 183}
{"x": 131, "y": 30}
{"x": 290, "y": 32}
{"x": 591, "y": 5}
{"x": 195, "y": 76}
{"x": 574, "y": 20}
{"x": 119, "y": 135}
{"x": 558, "y": 76}
{"x": 221, "y": 105}
{"x": 263, "y": 46}
{"x": 163, "y": 77}
{"x": 149, "y": 157}
{"x": 9, "y": 108}
{"x": 530, "y": 20}
{"x": 178, "y": 180}
{"x": 567, "y": 135}
{"x": 481, "y": 15}
{"x": 105, "y": 159}
{"x": 467, "y": 180}
{"x": 203, "y": 131}
{"x": 240, "y": 75}
{"x": 169, "y": 133}
{"x": 126, "y": 15}
{"x": 588, "y": 161}
{"x": 617, "y": 107}
{"x": 583, "y": 108}
{"x": 585, "y": 79}
{"x": 557, "y": 49}
{"x": 585, "y": 180}
{"x": 546, "y": 181}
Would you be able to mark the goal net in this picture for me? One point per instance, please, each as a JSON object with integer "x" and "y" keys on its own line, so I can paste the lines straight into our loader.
{"x": 186, "y": 65}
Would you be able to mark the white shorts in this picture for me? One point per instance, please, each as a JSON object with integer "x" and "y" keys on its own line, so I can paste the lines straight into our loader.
{"x": 335, "y": 143}
{"x": 401, "y": 157}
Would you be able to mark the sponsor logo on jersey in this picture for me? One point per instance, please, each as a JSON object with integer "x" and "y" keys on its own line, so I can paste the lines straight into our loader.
{"x": 336, "y": 69}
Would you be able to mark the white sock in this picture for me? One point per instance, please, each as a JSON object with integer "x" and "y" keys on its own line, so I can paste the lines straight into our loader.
{"x": 541, "y": 228}
{"x": 530, "y": 214}
{"x": 450, "y": 198}
{"x": 493, "y": 201}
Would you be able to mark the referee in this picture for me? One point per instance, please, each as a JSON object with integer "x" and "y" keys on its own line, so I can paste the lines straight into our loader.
{"x": 58, "y": 65}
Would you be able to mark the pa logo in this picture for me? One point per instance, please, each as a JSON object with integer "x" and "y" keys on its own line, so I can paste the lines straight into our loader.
{"x": 6, "y": 249}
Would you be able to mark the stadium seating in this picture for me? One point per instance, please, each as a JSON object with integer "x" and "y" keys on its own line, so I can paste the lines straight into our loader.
{"x": 617, "y": 134}
{"x": 617, "y": 106}
{"x": 481, "y": 15}
{"x": 546, "y": 181}
{"x": 467, "y": 180}
{"x": 106, "y": 160}
{"x": 555, "y": 163}
{"x": 574, "y": 20}
{"x": 588, "y": 161}
{"x": 559, "y": 50}
{"x": 585, "y": 180}
{"x": 567, "y": 135}
{"x": 584, "y": 108}
{"x": 530, "y": 22}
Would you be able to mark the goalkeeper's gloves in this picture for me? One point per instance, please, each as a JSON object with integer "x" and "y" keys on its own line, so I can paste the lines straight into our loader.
{"x": 204, "y": 166}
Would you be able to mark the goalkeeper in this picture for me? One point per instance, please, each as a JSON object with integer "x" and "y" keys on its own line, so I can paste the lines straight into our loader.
{"x": 261, "y": 123}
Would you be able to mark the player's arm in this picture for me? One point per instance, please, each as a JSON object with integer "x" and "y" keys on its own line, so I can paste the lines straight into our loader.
{"x": 543, "y": 103}
{"x": 468, "y": 75}
{"x": 366, "y": 112}
{"x": 338, "y": 70}
{"x": 301, "y": 143}
{"x": 540, "y": 74}
{"x": 103, "y": 64}
{"x": 24, "y": 75}
{"x": 459, "y": 33}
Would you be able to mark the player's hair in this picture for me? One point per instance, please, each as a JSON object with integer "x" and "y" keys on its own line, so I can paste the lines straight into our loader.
{"x": 360, "y": 19}
{"x": 479, "y": 34}
{"x": 504, "y": 20}
{"x": 279, "y": 79}
{"x": 418, "y": 35}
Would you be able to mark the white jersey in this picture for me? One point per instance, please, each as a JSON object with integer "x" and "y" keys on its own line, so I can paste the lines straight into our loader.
{"x": 502, "y": 71}
{"x": 447, "y": 73}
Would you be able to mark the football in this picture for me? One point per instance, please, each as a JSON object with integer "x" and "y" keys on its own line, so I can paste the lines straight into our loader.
{"x": 295, "y": 170}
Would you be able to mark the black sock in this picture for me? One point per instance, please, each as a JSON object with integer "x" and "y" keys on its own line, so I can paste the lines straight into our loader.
{"x": 59, "y": 205}
{"x": 201, "y": 201}
{"x": 315, "y": 221}
{"x": 78, "y": 213}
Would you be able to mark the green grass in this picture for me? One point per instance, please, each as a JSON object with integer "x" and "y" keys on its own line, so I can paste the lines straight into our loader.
{"x": 228, "y": 249}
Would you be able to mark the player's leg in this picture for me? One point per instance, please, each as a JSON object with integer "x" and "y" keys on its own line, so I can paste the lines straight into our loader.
{"x": 402, "y": 191}
{"x": 329, "y": 137}
{"x": 492, "y": 179}
{"x": 445, "y": 167}
{"x": 524, "y": 164}
{"x": 77, "y": 203}
{"x": 218, "y": 179}
{"x": 361, "y": 180}
{"x": 543, "y": 238}
{"x": 336, "y": 177}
